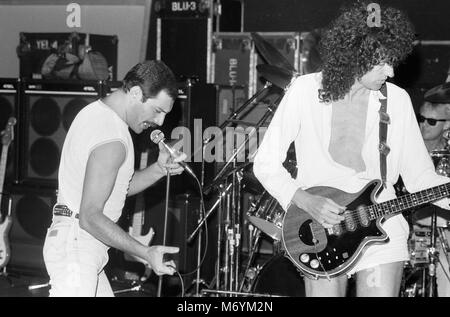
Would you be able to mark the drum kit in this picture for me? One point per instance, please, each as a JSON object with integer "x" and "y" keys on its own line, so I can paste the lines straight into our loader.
{"x": 427, "y": 273}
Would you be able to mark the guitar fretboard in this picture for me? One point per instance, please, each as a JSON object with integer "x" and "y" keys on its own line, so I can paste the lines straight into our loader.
{"x": 409, "y": 201}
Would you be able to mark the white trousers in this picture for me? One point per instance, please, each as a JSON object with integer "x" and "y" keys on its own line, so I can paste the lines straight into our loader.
{"x": 75, "y": 260}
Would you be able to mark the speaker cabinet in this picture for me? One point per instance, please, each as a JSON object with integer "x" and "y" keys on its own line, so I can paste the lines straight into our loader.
{"x": 32, "y": 215}
{"x": 183, "y": 212}
{"x": 47, "y": 111}
{"x": 190, "y": 36}
{"x": 9, "y": 101}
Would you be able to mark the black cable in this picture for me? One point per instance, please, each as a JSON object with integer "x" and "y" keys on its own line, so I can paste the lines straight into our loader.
{"x": 202, "y": 214}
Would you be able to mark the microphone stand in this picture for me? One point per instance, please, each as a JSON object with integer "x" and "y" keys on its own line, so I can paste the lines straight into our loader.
{"x": 166, "y": 214}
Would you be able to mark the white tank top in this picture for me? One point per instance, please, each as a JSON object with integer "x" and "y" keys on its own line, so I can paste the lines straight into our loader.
{"x": 95, "y": 124}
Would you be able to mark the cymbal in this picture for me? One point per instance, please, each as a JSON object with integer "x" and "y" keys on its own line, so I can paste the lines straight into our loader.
{"x": 276, "y": 75}
{"x": 438, "y": 94}
{"x": 270, "y": 54}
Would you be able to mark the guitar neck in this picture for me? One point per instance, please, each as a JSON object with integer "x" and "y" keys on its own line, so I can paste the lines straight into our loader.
{"x": 409, "y": 201}
{"x": 3, "y": 169}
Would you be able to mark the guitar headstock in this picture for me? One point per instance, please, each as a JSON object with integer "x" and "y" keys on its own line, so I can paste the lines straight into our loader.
{"x": 8, "y": 133}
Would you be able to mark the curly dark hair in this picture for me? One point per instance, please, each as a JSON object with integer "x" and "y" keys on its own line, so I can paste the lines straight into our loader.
{"x": 350, "y": 47}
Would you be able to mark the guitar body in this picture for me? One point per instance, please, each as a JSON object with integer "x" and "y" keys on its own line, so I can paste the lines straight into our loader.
{"x": 5, "y": 250}
{"x": 320, "y": 252}
{"x": 135, "y": 230}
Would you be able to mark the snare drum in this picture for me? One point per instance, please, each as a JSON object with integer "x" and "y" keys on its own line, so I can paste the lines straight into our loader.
{"x": 267, "y": 215}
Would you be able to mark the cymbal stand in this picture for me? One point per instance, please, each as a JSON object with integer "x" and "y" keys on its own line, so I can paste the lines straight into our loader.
{"x": 237, "y": 178}
{"x": 433, "y": 258}
{"x": 255, "y": 238}
{"x": 232, "y": 229}
{"x": 445, "y": 246}
{"x": 219, "y": 237}
{"x": 228, "y": 245}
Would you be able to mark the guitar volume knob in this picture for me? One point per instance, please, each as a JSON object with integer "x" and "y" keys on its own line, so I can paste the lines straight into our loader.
{"x": 314, "y": 264}
{"x": 304, "y": 258}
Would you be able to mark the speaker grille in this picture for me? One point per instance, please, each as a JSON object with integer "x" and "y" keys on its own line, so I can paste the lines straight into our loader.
{"x": 31, "y": 216}
{"x": 34, "y": 216}
{"x": 48, "y": 110}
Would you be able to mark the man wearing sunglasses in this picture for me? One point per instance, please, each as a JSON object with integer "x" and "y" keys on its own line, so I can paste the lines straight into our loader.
{"x": 434, "y": 120}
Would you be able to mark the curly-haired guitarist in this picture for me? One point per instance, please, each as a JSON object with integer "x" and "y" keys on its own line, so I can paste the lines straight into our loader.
{"x": 350, "y": 127}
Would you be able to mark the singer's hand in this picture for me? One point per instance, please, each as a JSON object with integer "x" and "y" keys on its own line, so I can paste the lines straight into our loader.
{"x": 167, "y": 163}
{"x": 155, "y": 260}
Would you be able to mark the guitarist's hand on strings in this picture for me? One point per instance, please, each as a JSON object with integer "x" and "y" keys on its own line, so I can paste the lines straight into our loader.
{"x": 322, "y": 209}
{"x": 155, "y": 260}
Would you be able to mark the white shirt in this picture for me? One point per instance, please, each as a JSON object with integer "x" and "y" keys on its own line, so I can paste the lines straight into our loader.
{"x": 302, "y": 118}
{"x": 95, "y": 124}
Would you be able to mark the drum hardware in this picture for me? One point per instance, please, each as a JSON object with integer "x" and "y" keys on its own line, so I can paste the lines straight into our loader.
{"x": 228, "y": 205}
{"x": 227, "y": 268}
{"x": 442, "y": 168}
{"x": 251, "y": 272}
{"x": 267, "y": 216}
{"x": 270, "y": 54}
{"x": 424, "y": 242}
{"x": 228, "y": 201}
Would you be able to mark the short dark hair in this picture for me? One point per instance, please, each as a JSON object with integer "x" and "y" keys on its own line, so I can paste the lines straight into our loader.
{"x": 350, "y": 47}
{"x": 152, "y": 77}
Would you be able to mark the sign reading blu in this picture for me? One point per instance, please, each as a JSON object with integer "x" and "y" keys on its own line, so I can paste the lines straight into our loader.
{"x": 180, "y": 6}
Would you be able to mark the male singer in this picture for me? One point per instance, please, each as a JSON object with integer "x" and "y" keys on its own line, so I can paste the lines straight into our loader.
{"x": 96, "y": 173}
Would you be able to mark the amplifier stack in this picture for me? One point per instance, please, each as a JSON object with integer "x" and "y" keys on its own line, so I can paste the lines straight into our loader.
{"x": 44, "y": 110}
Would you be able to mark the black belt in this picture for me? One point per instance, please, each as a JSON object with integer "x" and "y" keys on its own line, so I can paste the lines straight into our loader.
{"x": 63, "y": 210}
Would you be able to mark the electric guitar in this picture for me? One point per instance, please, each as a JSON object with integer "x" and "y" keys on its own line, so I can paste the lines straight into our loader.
{"x": 324, "y": 253}
{"x": 5, "y": 226}
{"x": 135, "y": 230}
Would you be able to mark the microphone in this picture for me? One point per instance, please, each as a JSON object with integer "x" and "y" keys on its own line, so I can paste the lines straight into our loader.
{"x": 158, "y": 137}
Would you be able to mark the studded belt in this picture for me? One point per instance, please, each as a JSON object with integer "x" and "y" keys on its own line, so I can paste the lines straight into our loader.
{"x": 63, "y": 210}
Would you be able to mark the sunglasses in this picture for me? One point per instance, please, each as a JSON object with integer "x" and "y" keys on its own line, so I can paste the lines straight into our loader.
{"x": 430, "y": 121}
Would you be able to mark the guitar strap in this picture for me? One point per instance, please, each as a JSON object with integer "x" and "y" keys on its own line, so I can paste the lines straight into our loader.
{"x": 383, "y": 148}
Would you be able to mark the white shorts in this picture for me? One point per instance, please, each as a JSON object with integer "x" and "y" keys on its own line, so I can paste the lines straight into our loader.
{"x": 396, "y": 250}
